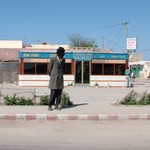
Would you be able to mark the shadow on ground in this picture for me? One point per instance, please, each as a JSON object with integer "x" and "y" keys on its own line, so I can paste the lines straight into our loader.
{"x": 74, "y": 105}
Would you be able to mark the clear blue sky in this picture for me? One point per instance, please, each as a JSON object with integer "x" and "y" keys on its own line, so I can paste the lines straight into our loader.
{"x": 37, "y": 21}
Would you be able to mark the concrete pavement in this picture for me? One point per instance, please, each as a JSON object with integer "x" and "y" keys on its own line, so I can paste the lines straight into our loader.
{"x": 90, "y": 103}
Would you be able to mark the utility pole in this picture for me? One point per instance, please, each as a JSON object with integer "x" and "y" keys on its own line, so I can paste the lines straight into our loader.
{"x": 126, "y": 29}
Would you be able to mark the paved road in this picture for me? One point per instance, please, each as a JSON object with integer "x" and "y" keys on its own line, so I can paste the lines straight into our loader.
{"x": 74, "y": 135}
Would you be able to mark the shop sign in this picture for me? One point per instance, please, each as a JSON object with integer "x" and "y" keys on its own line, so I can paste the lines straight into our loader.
{"x": 131, "y": 43}
{"x": 82, "y": 56}
{"x": 110, "y": 56}
{"x": 76, "y": 56}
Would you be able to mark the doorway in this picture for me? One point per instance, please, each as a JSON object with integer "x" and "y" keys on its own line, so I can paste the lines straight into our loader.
{"x": 82, "y": 72}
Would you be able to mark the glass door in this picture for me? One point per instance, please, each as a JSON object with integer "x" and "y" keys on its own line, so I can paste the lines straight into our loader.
{"x": 86, "y": 72}
{"x": 82, "y": 72}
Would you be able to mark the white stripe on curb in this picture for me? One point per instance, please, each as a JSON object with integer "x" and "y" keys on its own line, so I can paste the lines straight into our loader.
{"x": 41, "y": 116}
{"x": 82, "y": 117}
{"x": 62, "y": 117}
{"x": 20, "y": 116}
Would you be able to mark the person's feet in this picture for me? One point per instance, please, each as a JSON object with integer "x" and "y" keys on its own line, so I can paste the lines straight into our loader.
{"x": 57, "y": 107}
{"x": 50, "y": 108}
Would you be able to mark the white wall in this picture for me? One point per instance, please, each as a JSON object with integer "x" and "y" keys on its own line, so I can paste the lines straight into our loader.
{"x": 11, "y": 44}
{"x": 108, "y": 81}
{"x": 43, "y": 80}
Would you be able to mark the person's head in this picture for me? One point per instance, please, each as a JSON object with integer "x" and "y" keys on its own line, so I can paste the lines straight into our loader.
{"x": 60, "y": 52}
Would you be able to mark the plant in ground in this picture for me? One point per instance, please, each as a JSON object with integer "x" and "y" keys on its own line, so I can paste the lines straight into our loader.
{"x": 65, "y": 100}
{"x": 14, "y": 100}
{"x": 131, "y": 99}
{"x": 43, "y": 100}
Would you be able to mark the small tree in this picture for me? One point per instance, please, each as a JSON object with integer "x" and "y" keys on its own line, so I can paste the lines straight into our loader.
{"x": 76, "y": 40}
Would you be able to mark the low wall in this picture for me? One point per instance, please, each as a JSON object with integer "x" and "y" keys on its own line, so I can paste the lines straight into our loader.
{"x": 43, "y": 80}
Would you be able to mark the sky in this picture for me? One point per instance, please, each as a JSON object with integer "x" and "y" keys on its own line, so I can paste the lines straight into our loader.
{"x": 52, "y": 21}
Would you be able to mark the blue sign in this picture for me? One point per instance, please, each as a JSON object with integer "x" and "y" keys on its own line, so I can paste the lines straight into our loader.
{"x": 82, "y": 56}
{"x": 76, "y": 56}
{"x": 112, "y": 56}
{"x": 36, "y": 55}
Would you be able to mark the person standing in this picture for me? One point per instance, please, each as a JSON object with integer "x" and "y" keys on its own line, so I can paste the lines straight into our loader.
{"x": 128, "y": 78}
{"x": 56, "y": 84}
{"x": 132, "y": 76}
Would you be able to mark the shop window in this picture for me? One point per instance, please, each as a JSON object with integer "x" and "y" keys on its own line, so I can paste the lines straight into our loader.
{"x": 41, "y": 68}
{"x": 29, "y": 68}
{"x": 119, "y": 69}
{"x": 108, "y": 69}
{"x": 96, "y": 69}
{"x": 67, "y": 68}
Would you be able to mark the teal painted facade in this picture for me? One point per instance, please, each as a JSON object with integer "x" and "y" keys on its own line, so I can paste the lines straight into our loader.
{"x": 76, "y": 55}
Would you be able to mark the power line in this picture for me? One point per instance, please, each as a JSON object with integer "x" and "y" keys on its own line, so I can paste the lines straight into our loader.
{"x": 50, "y": 33}
{"x": 113, "y": 42}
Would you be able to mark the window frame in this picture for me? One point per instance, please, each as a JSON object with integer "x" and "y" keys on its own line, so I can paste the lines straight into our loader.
{"x": 114, "y": 69}
{"x": 35, "y": 68}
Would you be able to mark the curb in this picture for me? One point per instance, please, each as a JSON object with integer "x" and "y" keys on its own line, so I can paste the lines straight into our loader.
{"x": 100, "y": 117}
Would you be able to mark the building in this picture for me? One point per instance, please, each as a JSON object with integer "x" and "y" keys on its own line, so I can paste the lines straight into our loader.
{"x": 45, "y": 45}
{"x": 140, "y": 68}
{"x": 11, "y": 44}
{"x": 83, "y": 67}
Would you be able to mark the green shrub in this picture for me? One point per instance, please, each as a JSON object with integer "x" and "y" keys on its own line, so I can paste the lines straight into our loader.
{"x": 148, "y": 99}
{"x": 14, "y": 100}
{"x": 130, "y": 101}
{"x": 65, "y": 99}
{"x": 145, "y": 100}
{"x": 43, "y": 100}
{"x": 10, "y": 100}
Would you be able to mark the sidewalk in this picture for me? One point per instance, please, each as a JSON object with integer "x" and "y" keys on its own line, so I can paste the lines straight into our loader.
{"x": 90, "y": 103}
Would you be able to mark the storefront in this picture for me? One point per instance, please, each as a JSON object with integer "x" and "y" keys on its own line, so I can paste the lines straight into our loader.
{"x": 140, "y": 68}
{"x": 82, "y": 68}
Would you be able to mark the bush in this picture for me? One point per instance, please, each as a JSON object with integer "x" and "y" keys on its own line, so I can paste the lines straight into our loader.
{"x": 43, "y": 100}
{"x": 148, "y": 99}
{"x": 144, "y": 100}
{"x": 14, "y": 100}
{"x": 65, "y": 100}
{"x": 129, "y": 101}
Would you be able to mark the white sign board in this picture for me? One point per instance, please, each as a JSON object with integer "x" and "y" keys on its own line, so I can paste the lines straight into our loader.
{"x": 131, "y": 43}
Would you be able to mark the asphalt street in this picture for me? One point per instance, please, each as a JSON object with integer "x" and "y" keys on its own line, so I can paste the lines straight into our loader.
{"x": 74, "y": 135}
